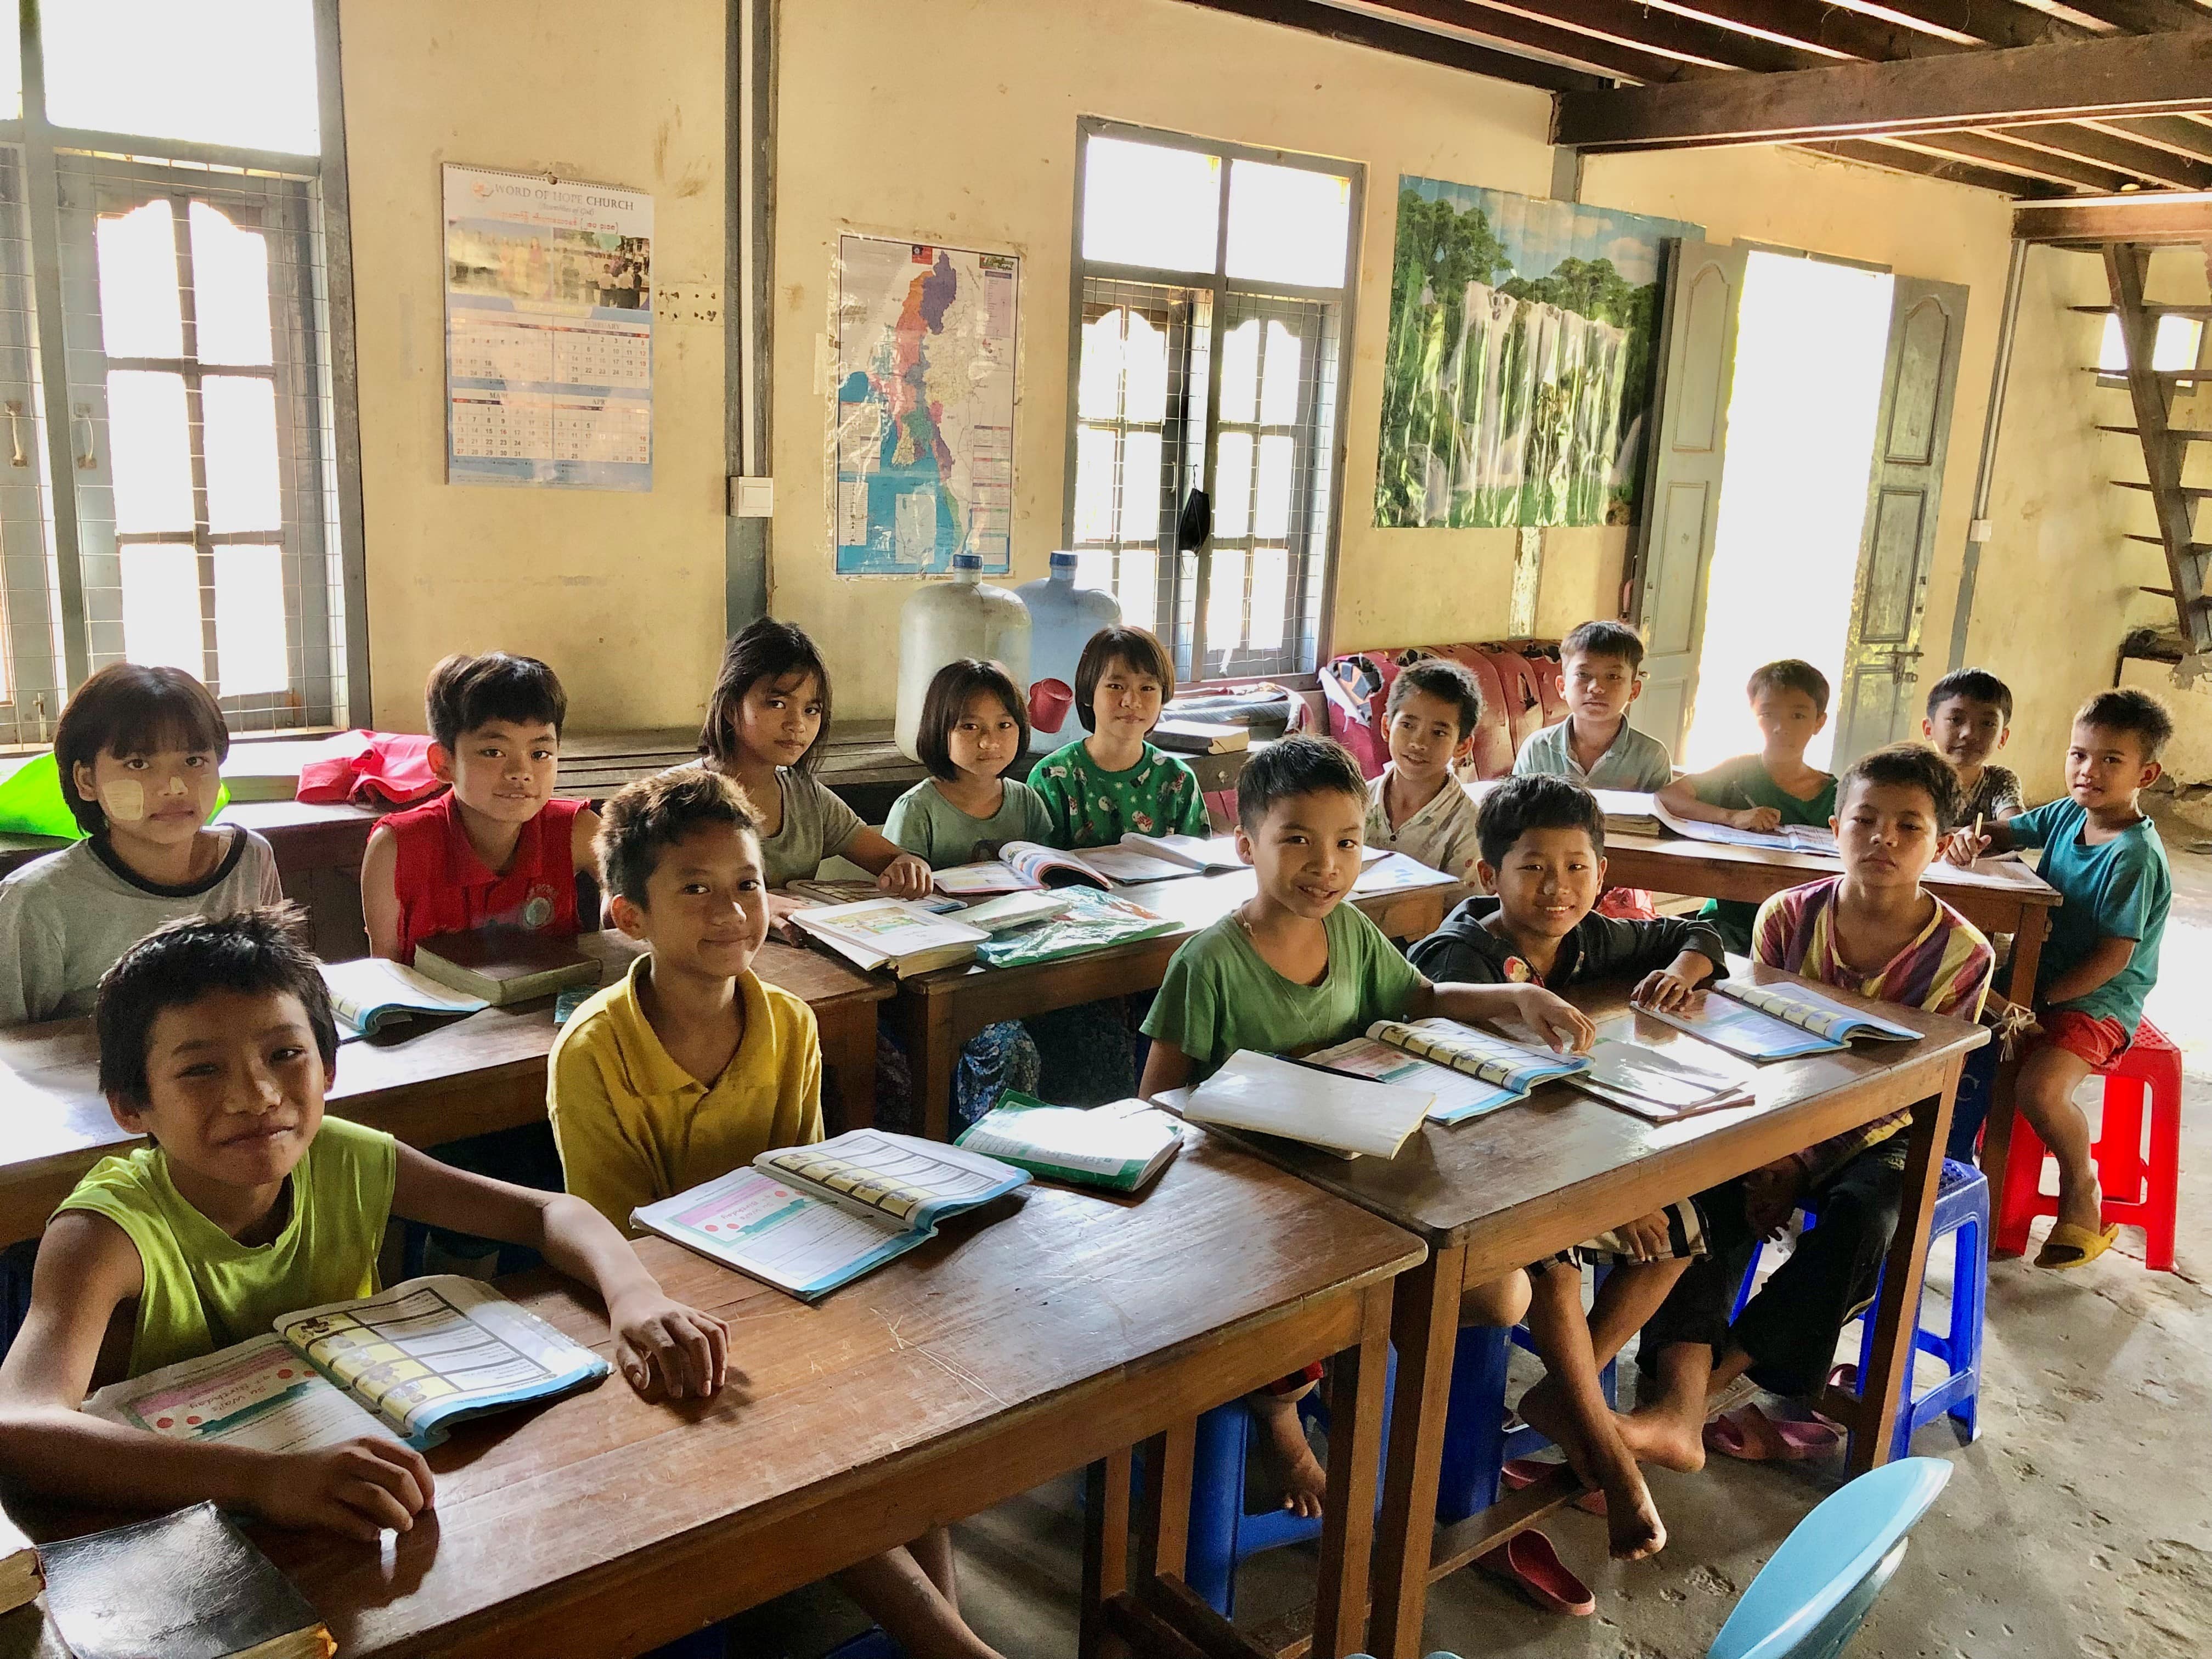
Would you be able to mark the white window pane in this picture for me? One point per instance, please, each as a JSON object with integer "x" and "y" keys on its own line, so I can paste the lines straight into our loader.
{"x": 1288, "y": 224}
{"x": 1139, "y": 588}
{"x": 1278, "y": 392}
{"x": 151, "y": 458}
{"x": 1232, "y": 484}
{"x": 1240, "y": 372}
{"x": 249, "y": 620}
{"x": 11, "y": 71}
{"x": 1096, "y": 454}
{"x": 1145, "y": 204}
{"x": 1145, "y": 359}
{"x": 1270, "y": 511}
{"x": 161, "y": 608}
{"x": 238, "y": 415}
{"x": 2177, "y": 343}
{"x": 1271, "y": 588}
{"x": 230, "y": 289}
{"x": 1140, "y": 486}
{"x": 1099, "y": 383}
{"x": 215, "y": 72}
{"x": 1094, "y": 567}
{"x": 138, "y": 311}
{"x": 1225, "y": 603}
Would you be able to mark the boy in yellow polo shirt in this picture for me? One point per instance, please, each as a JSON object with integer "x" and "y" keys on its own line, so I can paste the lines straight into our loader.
{"x": 689, "y": 1066}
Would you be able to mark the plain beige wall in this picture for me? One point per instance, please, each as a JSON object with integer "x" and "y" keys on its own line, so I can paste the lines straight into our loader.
{"x": 622, "y": 592}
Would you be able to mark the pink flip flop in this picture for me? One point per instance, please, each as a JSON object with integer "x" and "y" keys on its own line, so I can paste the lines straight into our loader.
{"x": 1800, "y": 1441}
{"x": 1528, "y": 1563}
{"x": 1522, "y": 1473}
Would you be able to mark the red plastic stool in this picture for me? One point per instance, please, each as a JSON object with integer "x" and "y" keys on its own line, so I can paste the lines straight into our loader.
{"x": 2139, "y": 1191}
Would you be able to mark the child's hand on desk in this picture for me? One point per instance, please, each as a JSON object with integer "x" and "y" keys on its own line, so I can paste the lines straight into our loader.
{"x": 1962, "y": 846}
{"x": 779, "y": 924}
{"x": 358, "y": 1488}
{"x": 1761, "y": 818}
{"x": 905, "y": 876}
{"x": 1663, "y": 988}
{"x": 1770, "y": 1195}
{"x": 668, "y": 1351}
{"x": 1560, "y": 1023}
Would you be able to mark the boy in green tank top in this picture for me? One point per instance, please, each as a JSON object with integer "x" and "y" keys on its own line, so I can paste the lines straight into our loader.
{"x": 217, "y": 1042}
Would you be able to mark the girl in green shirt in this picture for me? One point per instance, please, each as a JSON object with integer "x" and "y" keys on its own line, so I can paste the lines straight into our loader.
{"x": 1112, "y": 782}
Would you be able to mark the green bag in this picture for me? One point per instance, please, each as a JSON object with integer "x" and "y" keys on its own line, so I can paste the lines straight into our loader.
{"x": 31, "y": 802}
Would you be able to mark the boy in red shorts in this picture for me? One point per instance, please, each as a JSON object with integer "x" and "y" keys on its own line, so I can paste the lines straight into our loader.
{"x": 2103, "y": 854}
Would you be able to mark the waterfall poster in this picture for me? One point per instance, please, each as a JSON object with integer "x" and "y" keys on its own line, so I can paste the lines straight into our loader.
{"x": 1517, "y": 378}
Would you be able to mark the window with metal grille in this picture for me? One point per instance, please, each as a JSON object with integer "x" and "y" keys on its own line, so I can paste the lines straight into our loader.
{"x": 1213, "y": 285}
{"x": 172, "y": 487}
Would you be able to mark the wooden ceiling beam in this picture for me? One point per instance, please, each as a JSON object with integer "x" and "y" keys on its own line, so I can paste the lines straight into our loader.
{"x": 1874, "y": 153}
{"x": 2053, "y": 168}
{"x": 2144, "y": 16}
{"x": 2130, "y": 156}
{"x": 1666, "y": 32}
{"x": 1361, "y": 29}
{"x": 2080, "y": 80}
{"x": 1833, "y": 31}
{"x": 2175, "y": 133}
{"x": 1972, "y": 22}
{"x": 1512, "y": 31}
{"x": 2174, "y": 216}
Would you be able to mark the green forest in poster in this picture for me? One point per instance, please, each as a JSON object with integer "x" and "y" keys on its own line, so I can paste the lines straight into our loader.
{"x": 1518, "y": 374}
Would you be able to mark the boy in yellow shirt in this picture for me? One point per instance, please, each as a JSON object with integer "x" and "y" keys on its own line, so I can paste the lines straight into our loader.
{"x": 689, "y": 1066}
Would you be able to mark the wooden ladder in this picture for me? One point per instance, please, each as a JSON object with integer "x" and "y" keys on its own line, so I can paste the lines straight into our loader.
{"x": 2164, "y": 446}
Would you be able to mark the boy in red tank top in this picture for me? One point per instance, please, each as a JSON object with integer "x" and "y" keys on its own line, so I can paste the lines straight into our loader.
{"x": 499, "y": 849}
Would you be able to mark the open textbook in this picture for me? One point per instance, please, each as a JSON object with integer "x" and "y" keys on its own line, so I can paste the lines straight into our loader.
{"x": 888, "y": 932}
{"x": 406, "y": 1364}
{"x": 1656, "y": 1085}
{"x": 1778, "y": 1022}
{"x": 807, "y": 1220}
{"x": 371, "y": 993}
{"x": 1469, "y": 1072}
{"x": 1025, "y": 867}
{"x": 1787, "y": 838}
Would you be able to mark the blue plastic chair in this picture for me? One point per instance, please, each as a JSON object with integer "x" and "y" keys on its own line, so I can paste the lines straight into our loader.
{"x": 1809, "y": 1600}
{"x": 1962, "y": 1206}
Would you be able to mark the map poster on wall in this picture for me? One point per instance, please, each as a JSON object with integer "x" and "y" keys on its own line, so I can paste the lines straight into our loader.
{"x": 549, "y": 332}
{"x": 923, "y": 443}
{"x": 1518, "y": 377}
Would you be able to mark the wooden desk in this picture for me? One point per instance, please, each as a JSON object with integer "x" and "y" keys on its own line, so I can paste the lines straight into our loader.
{"x": 994, "y": 1358}
{"x": 941, "y": 1011}
{"x": 441, "y": 1083}
{"x": 1522, "y": 1183}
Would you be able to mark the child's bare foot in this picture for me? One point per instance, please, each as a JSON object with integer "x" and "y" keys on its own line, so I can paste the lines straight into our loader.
{"x": 1632, "y": 1527}
{"x": 1665, "y": 1434}
{"x": 1304, "y": 1480}
{"x": 1543, "y": 1407}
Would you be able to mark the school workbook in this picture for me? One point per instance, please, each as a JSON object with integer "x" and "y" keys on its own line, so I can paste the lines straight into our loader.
{"x": 1091, "y": 921}
{"x": 888, "y": 932}
{"x": 1656, "y": 1085}
{"x": 1778, "y": 1022}
{"x": 1025, "y": 867}
{"x": 1342, "y": 1113}
{"x": 1785, "y": 838}
{"x": 371, "y": 994}
{"x": 1469, "y": 1072}
{"x": 807, "y": 1220}
{"x": 406, "y": 1364}
{"x": 1121, "y": 1146}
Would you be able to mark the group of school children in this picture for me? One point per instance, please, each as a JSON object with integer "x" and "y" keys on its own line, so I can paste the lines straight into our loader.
{"x": 217, "y": 1041}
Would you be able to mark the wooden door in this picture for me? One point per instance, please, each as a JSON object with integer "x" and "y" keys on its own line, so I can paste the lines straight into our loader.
{"x": 1879, "y": 702}
{"x": 1682, "y": 505}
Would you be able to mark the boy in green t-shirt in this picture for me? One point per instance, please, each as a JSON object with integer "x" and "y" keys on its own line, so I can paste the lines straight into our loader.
{"x": 216, "y": 1042}
{"x": 1768, "y": 790}
{"x": 1294, "y": 969}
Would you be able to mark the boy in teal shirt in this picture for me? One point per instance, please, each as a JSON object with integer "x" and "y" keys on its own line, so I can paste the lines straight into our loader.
{"x": 2103, "y": 854}
{"x": 1294, "y": 969}
{"x": 1768, "y": 790}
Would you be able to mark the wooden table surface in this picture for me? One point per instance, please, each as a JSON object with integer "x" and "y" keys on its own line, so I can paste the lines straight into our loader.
{"x": 939, "y": 1011}
{"x": 1521, "y": 1183}
{"x": 1025, "y": 1341}
{"x": 438, "y": 1082}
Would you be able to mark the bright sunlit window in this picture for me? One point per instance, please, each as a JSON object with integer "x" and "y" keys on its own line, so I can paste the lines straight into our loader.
{"x": 2175, "y": 346}
{"x": 237, "y": 72}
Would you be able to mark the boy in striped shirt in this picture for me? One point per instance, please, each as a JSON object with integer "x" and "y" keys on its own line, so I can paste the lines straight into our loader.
{"x": 1876, "y": 932}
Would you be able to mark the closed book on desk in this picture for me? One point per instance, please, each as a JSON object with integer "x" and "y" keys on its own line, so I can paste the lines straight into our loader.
{"x": 1120, "y": 1147}
{"x": 20, "y": 1579}
{"x": 182, "y": 1586}
{"x": 505, "y": 964}
{"x": 1201, "y": 737}
{"x": 807, "y": 1220}
{"x": 1342, "y": 1113}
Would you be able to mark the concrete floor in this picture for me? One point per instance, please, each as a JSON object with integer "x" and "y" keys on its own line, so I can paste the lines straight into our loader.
{"x": 2079, "y": 1526}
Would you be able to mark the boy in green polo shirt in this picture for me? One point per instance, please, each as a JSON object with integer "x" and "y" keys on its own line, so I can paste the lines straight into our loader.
{"x": 1768, "y": 790}
{"x": 217, "y": 1042}
{"x": 2103, "y": 854}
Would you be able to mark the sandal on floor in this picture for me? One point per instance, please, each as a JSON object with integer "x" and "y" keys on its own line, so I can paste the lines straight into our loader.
{"x": 2077, "y": 1246}
{"x": 1521, "y": 1473}
{"x": 1800, "y": 1441}
{"x": 1528, "y": 1563}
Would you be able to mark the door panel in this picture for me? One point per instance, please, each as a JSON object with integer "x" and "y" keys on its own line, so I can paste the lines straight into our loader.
{"x": 1881, "y": 688}
{"x": 1705, "y": 290}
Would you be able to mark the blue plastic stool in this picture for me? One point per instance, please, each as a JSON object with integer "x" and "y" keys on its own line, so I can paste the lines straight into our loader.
{"x": 1811, "y": 1598}
{"x": 1477, "y": 1446}
{"x": 1962, "y": 1206}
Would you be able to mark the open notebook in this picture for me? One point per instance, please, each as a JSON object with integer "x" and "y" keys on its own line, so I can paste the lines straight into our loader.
{"x": 807, "y": 1220}
{"x": 1469, "y": 1072}
{"x": 406, "y": 1364}
{"x": 1778, "y": 1022}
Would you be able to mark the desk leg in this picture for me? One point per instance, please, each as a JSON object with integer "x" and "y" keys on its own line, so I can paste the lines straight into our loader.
{"x": 1897, "y": 1312}
{"x": 1996, "y": 1131}
{"x": 1424, "y": 1325}
{"x": 1355, "y": 1442}
{"x": 1105, "y": 1546}
{"x": 930, "y": 1054}
{"x": 848, "y": 1049}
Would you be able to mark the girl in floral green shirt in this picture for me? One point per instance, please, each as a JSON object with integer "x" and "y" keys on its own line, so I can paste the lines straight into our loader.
{"x": 1112, "y": 782}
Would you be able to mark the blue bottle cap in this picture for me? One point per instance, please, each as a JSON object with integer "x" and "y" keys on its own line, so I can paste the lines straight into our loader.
{"x": 967, "y": 561}
{"x": 1063, "y": 559}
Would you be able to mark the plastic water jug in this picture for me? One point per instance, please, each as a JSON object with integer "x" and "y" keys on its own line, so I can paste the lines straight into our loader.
{"x": 1062, "y": 619}
{"x": 945, "y": 621}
